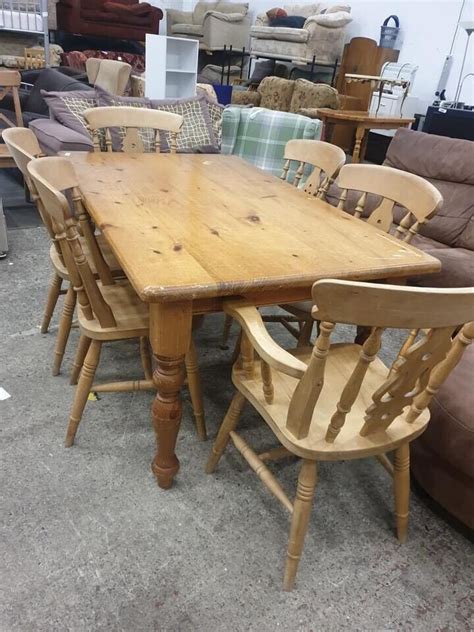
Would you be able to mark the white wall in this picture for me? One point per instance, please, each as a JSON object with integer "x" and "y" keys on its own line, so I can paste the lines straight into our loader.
{"x": 427, "y": 30}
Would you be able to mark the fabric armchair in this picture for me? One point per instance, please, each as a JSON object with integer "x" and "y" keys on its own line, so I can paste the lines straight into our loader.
{"x": 300, "y": 96}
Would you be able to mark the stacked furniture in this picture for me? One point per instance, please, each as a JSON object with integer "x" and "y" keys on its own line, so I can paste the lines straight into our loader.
{"x": 121, "y": 19}
{"x": 320, "y": 41}
{"x": 216, "y": 24}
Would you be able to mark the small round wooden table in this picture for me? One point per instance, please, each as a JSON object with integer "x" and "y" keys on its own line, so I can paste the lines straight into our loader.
{"x": 365, "y": 121}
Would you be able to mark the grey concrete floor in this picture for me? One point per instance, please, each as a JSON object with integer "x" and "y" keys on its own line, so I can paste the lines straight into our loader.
{"x": 89, "y": 542}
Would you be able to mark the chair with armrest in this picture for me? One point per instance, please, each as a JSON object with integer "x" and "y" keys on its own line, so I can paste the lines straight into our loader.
{"x": 108, "y": 309}
{"x": 339, "y": 401}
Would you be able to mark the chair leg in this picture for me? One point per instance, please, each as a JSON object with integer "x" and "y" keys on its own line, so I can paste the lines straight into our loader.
{"x": 53, "y": 295}
{"x": 146, "y": 358}
{"x": 307, "y": 481}
{"x": 305, "y": 334}
{"x": 81, "y": 351}
{"x": 230, "y": 423}
{"x": 83, "y": 390}
{"x": 401, "y": 486}
{"x": 194, "y": 385}
{"x": 226, "y": 331}
{"x": 64, "y": 329}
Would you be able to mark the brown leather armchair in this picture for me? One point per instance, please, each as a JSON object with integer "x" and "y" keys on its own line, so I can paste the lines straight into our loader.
{"x": 122, "y": 19}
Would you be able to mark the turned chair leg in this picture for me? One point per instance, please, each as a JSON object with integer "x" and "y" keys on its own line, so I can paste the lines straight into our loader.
{"x": 307, "y": 481}
{"x": 230, "y": 423}
{"x": 226, "y": 331}
{"x": 146, "y": 358}
{"x": 82, "y": 390}
{"x": 304, "y": 338}
{"x": 53, "y": 295}
{"x": 194, "y": 385}
{"x": 401, "y": 486}
{"x": 81, "y": 351}
{"x": 64, "y": 329}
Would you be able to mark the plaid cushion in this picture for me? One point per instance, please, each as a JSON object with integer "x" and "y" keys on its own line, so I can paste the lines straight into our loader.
{"x": 196, "y": 132}
{"x": 259, "y": 136}
{"x": 215, "y": 112}
{"x": 68, "y": 107}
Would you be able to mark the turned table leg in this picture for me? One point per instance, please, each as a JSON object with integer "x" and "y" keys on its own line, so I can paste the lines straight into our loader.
{"x": 170, "y": 336}
{"x": 359, "y": 137}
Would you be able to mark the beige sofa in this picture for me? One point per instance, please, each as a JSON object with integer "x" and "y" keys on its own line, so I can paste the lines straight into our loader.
{"x": 321, "y": 38}
{"x": 215, "y": 24}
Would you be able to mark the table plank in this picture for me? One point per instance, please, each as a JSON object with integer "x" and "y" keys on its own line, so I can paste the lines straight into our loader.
{"x": 198, "y": 226}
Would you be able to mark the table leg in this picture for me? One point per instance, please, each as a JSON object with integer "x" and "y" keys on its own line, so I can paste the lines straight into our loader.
{"x": 170, "y": 337}
{"x": 359, "y": 137}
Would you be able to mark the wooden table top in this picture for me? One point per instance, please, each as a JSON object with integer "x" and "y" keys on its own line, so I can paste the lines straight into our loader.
{"x": 189, "y": 226}
{"x": 361, "y": 116}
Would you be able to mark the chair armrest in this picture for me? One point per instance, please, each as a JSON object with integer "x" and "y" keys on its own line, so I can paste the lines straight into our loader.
{"x": 325, "y": 42}
{"x": 262, "y": 20}
{"x": 246, "y": 97}
{"x": 224, "y": 17}
{"x": 251, "y": 322}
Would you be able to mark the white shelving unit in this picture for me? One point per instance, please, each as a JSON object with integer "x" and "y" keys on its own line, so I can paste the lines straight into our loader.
{"x": 171, "y": 67}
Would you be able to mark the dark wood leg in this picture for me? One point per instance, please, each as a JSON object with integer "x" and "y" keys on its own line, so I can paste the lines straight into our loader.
{"x": 170, "y": 336}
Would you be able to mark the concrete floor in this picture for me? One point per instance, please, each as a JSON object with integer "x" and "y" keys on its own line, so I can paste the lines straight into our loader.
{"x": 89, "y": 542}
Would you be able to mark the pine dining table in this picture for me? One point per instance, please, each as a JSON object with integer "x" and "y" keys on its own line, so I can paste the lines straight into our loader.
{"x": 190, "y": 230}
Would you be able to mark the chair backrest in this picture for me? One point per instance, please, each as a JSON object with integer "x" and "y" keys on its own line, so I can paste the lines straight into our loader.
{"x": 10, "y": 81}
{"x": 24, "y": 147}
{"x": 420, "y": 198}
{"x": 424, "y": 361}
{"x": 108, "y": 74}
{"x": 324, "y": 158}
{"x": 138, "y": 129}
{"x": 57, "y": 185}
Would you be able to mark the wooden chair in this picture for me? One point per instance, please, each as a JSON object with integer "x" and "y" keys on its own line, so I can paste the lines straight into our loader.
{"x": 34, "y": 58}
{"x": 417, "y": 196}
{"x": 324, "y": 160}
{"x": 137, "y": 129}
{"x": 24, "y": 147}
{"x": 10, "y": 81}
{"x": 108, "y": 310}
{"x": 339, "y": 401}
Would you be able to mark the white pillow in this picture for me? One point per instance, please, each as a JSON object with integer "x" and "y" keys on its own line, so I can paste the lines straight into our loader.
{"x": 332, "y": 20}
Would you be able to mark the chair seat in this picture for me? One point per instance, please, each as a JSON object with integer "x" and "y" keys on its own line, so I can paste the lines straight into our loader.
{"x": 348, "y": 444}
{"x": 111, "y": 261}
{"x": 281, "y": 33}
{"x": 187, "y": 29}
{"x": 130, "y": 313}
